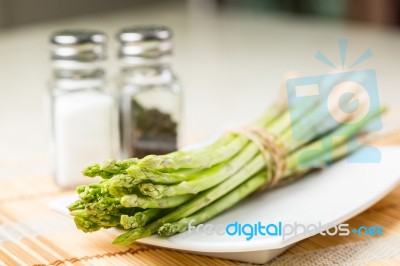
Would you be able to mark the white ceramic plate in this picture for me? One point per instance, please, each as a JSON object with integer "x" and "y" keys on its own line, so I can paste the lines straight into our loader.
{"x": 328, "y": 197}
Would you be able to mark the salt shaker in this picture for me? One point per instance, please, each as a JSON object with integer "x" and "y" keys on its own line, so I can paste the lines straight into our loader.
{"x": 150, "y": 95}
{"x": 83, "y": 112}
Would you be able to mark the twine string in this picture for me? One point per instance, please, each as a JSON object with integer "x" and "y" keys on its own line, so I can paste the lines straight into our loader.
{"x": 271, "y": 148}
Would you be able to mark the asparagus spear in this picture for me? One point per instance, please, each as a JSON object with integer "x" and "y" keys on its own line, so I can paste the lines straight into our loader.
{"x": 141, "y": 218}
{"x": 90, "y": 223}
{"x": 109, "y": 168}
{"x": 151, "y": 203}
{"x": 123, "y": 184}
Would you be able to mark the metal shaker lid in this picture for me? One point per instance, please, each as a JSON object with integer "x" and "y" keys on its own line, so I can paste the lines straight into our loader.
{"x": 144, "y": 33}
{"x": 78, "y": 45}
{"x": 145, "y": 41}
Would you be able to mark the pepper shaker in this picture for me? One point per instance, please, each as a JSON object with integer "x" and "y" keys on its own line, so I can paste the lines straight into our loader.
{"x": 150, "y": 96}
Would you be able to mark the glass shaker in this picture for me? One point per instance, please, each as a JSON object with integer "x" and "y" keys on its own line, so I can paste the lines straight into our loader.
{"x": 84, "y": 119}
{"x": 149, "y": 93}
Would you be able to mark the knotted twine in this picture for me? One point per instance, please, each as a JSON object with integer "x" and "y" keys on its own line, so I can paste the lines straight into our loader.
{"x": 271, "y": 148}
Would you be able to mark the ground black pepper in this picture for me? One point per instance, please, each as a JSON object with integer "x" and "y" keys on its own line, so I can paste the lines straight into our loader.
{"x": 155, "y": 131}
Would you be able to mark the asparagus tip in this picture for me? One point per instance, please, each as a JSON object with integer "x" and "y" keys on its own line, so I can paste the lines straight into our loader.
{"x": 84, "y": 224}
{"x": 120, "y": 185}
{"x": 111, "y": 166}
{"x": 152, "y": 190}
{"x": 130, "y": 236}
{"x": 167, "y": 229}
{"x": 129, "y": 200}
{"x": 156, "y": 162}
{"x": 92, "y": 170}
{"x": 137, "y": 172}
{"x": 132, "y": 222}
{"x": 77, "y": 205}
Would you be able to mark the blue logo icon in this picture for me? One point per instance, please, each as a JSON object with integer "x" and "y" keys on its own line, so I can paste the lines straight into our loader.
{"x": 342, "y": 97}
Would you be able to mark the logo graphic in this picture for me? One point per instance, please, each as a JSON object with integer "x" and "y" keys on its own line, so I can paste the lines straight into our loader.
{"x": 343, "y": 97}
{"x": 283, "y": 230}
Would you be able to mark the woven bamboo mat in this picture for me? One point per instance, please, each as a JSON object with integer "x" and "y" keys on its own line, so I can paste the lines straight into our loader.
{"x": 32, "y": 234}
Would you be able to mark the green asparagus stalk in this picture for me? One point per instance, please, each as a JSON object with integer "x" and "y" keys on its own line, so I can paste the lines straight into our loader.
{"x": 134, "y": 200}
{"x": 141, "y": 218}
{"x": 109, "y": 168}
{"x": 123, "y": 184}
{"x": 106, "y": 205}
{"x": 140, "y": 174}
{"x": 89, "y": 193}
{"x": 90, "y": 223}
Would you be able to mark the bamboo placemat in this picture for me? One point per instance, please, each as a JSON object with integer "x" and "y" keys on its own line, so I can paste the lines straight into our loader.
{"x": 32, "y": 234}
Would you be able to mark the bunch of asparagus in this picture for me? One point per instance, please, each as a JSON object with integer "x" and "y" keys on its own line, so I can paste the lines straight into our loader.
{"x": 162, "y": 194}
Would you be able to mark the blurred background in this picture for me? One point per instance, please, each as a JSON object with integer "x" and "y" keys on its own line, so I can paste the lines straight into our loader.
{"x": 22, "y": 12}
{"x": 230, "y": 55}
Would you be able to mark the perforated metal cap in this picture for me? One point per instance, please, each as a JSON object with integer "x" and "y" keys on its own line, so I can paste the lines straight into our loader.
{"x": 143, "y": 41}
{"x": 141, "y": 33}
{"x": 78, "y": 45}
